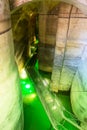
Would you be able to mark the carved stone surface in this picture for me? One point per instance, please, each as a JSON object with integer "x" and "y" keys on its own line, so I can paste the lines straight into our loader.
{"x": 79, "y": 89}
{"x": 70, "y": 44}
{"x": 47, "y": 37}
{"x": 10, "y": 93}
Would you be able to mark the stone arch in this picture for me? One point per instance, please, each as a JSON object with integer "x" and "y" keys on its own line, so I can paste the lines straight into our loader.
{"x": 61, "y": 29}
{"x": 62, "y": 52}
{"x": 81, "y": 4}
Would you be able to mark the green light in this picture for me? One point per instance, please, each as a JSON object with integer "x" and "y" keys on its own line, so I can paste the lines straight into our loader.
{"x": 23, "y": 74}
{"x": 30, "y": 98}
{"x": 28, "y": 91}
{"x": 37, "y": 65}
{"x": 37, "y": 41}
{"x": 23, "y": 82}
{"x": 27, "y": 86}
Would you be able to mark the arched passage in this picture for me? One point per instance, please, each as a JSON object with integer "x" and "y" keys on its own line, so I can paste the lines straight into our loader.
{"x": 62, "y": 34}
{"x": 63, "y": 51}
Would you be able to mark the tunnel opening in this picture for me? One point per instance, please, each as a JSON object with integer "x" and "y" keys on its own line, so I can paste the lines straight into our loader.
{"x": 62, "y": 51}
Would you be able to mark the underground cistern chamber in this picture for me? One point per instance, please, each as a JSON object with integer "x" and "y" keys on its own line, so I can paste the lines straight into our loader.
{"x": 43, "y": 81}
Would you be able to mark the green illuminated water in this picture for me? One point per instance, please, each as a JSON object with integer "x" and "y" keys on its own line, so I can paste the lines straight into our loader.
{"x": 35, "y": 117}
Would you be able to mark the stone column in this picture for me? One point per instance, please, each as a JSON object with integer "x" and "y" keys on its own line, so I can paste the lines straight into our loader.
{"x": 10, "y": 94}
{"x": 47, "y": 36}
{"x": 70, "y": 44}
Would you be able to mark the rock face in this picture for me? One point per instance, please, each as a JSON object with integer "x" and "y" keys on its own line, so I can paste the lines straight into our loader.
{"x": 10, "y": 93}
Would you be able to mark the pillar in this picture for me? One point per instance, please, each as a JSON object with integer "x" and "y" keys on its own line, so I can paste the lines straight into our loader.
{"x": 10, "y": 93}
